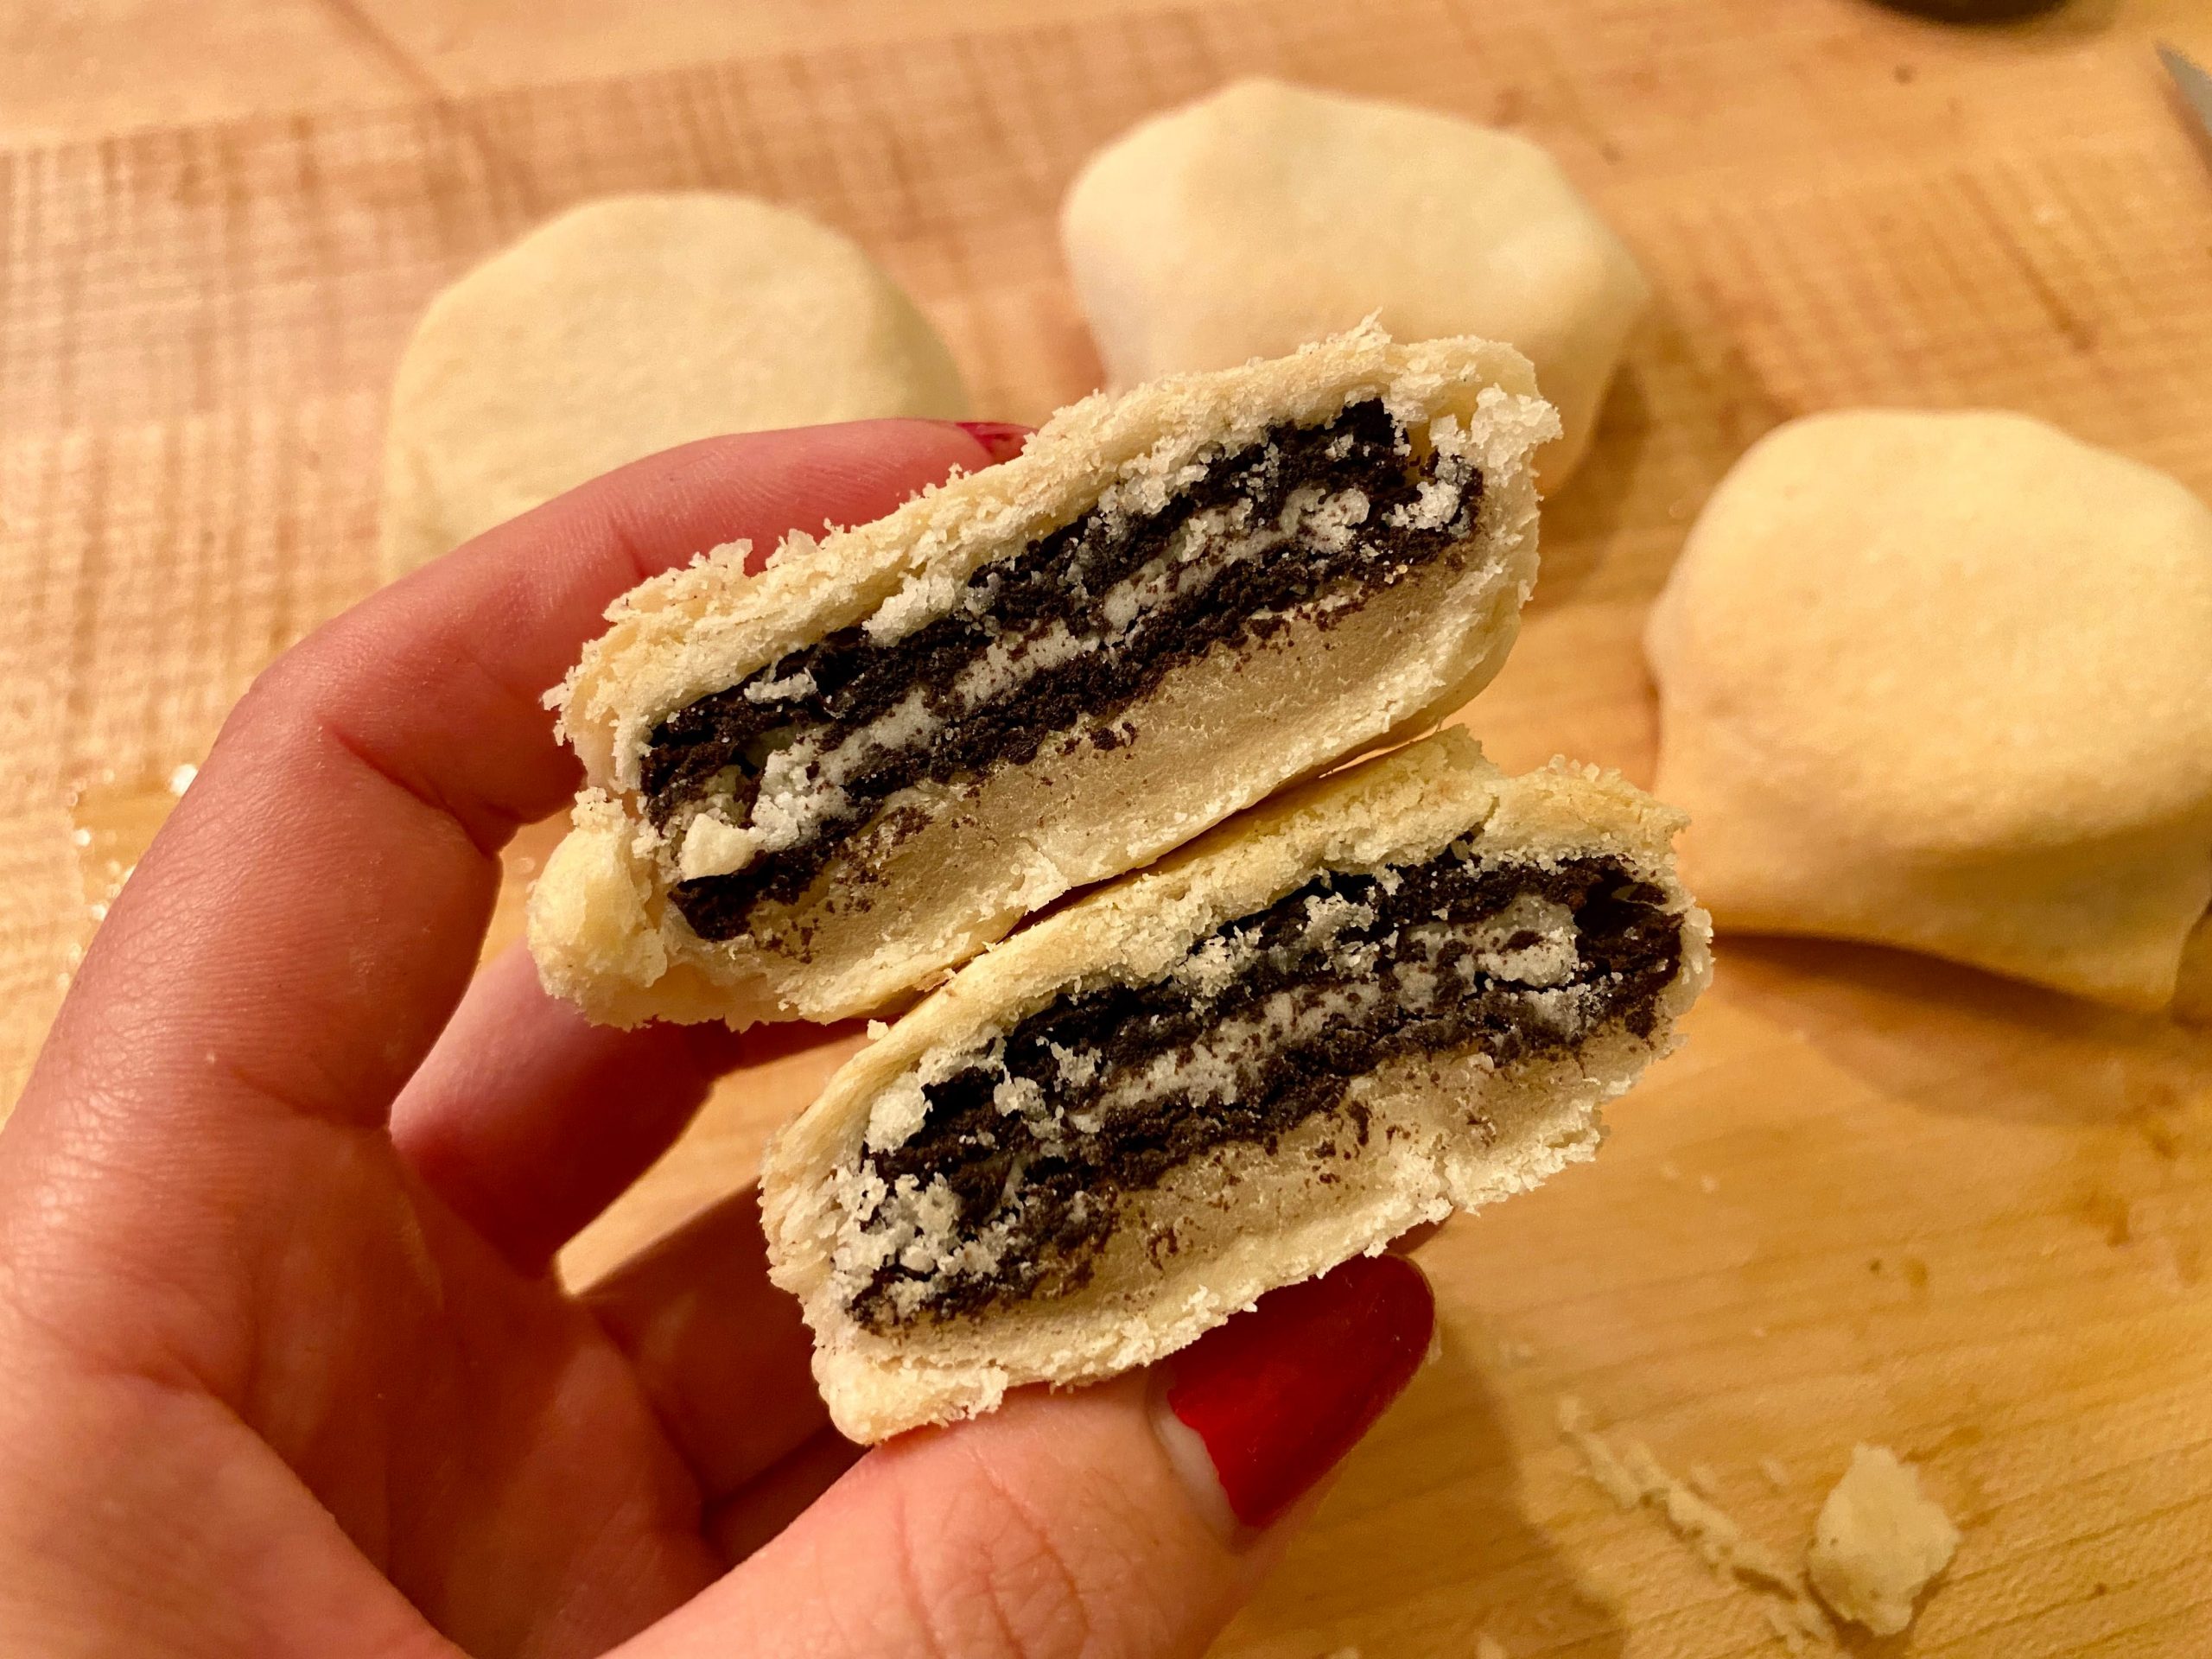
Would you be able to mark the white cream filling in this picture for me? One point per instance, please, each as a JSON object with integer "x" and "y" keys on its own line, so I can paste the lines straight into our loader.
{"x": 1223, "y": 1065}
{"x": 1225, "y": 957}
{"x": 712, "y": 846}
{"x": 915, "y": 1226}
{"x": 800, "y": 684}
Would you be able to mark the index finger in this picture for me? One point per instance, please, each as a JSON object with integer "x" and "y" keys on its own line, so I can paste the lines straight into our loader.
{"x": 306, "y": 922}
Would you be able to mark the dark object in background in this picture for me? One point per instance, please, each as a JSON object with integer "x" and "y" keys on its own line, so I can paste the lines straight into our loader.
{"x": 2194, "y": 87}
{"x": 1975, "y": 11}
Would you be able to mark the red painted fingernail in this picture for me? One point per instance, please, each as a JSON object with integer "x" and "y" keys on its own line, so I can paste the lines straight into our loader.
{"x": 1001, "y": 440}
{"x": 1280, "y": 1395}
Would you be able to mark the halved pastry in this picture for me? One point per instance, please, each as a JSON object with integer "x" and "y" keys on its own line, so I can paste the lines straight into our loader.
{"x": 1400, "y": 990}
{"x": 813, "y": 788}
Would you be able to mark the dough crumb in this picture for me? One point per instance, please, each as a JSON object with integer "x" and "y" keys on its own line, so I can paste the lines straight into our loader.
{"x": 1705, "y": 1480}
{"x": 1878, "y": 1541}
{"x": 1634, "y": 1478}
{"x": 1777, "y": 1475}
{"x": 1612, "y": 1476}
{"x": 1489, "y": 1647}
{"x": 1798, "y": 1633}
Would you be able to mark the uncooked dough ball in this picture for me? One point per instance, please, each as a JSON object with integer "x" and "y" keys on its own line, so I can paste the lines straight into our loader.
{"x": 1267, "y": 215}
{"x": 628, "y": 325}
{"x": 1944, "y": 681}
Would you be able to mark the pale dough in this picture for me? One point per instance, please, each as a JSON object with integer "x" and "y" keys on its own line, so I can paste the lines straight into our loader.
{"x": 1879, "y": 1542}
{"x": 1267, "y": 215}
{"x": 628, "y": 325}
{"x": 1944, "y": 681}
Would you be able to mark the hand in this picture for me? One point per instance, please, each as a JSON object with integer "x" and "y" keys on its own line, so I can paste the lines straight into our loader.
{"x": 283, "y": 1370}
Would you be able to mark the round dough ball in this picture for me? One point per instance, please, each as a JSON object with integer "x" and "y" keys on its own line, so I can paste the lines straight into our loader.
{"x": 1268, "y": 215}
{"x": 628, "y": 325}
{"x": 1944, "y": 681}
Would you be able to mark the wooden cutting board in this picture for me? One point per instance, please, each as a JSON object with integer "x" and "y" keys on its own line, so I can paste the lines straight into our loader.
{"x": 1875, "y": 1198}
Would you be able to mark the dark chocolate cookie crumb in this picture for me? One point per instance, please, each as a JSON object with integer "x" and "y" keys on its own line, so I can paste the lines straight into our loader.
{"x": 1056, "y": 1201}
{"x": 714, "y": 749}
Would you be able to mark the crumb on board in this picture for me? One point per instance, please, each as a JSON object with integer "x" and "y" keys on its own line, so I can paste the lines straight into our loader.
{"x": 1489, "y": 1647}
{"x": 1635, "y": 1479}
{"x": 1704, "y": 1481}
{"x": 1789, "y": 1621}
{"x": 1878, "y": 1541}
{"x": 1776, "y": 1476}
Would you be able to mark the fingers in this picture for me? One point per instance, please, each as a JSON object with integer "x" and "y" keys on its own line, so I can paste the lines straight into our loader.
{"x": 772, "y": 1500}
{"x": 303, "y": 928}
{"x": 528, "y": 1121}
{"x": 721, "y": 1353}
{"x": 1272, "y": 1401}
{"x": 1130, "y": 1518}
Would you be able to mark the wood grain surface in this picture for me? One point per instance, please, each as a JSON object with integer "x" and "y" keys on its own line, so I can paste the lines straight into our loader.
{"x": 1875, "y": 1197}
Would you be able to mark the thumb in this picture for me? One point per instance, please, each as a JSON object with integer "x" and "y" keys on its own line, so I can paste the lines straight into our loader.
{"x": 1128, "y": 1519}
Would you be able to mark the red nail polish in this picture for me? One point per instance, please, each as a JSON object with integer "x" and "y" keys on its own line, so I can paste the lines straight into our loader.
{"x": 1281, "y": 1394}
{"x": 1001, "y": 440}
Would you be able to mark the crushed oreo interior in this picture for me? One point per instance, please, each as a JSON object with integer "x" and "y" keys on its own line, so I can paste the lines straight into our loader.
{"x": 1012, "y": 1171}
{"x": 1058, "y": 639}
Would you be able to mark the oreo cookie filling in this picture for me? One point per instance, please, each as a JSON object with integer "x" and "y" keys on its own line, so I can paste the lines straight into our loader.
{"x": 1002, "y": 1176}
{"x": 760, "y": 785}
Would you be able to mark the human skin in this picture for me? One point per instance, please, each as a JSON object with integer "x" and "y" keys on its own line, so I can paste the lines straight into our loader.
{"x": 283, "y": 1365}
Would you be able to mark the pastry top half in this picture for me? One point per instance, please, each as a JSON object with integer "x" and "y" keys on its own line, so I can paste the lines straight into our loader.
{"x": 1399, "y": 990}
{"x": 812, "y": 787}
